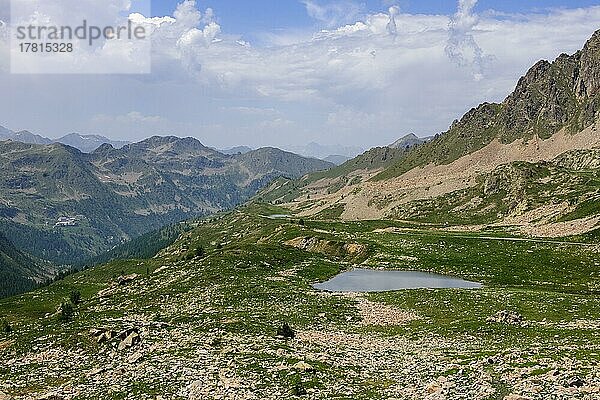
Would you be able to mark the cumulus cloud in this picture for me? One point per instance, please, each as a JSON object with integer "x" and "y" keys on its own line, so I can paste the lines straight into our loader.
{"x": 392, "y": 28}
{"x": 365, "y": 80}
{"x": 462, "y": 47}
{"x": 123, "y": 54}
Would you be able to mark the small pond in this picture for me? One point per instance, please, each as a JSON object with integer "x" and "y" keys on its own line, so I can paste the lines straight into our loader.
{"x": 371, "y": 280}
{"x": 278, "y": 216}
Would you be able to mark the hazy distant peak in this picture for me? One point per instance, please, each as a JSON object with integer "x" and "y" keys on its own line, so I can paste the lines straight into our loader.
{"x": 409, "y": 140}
{"x": 336, "y": 159}
{"x": 320, "y": 151}
{"x": 236, "y": 150}
{"x": 89, "y": 143}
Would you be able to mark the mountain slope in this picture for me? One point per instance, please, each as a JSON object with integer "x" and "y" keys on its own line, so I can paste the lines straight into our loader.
{"x": 79, "y": 205}
{"x": 204, "y": 319}
{"x": 550, "y": 97}
{"x": 554, "y": 110}
{"x": 19, "y": 272}
{"x": 346, "y": 175}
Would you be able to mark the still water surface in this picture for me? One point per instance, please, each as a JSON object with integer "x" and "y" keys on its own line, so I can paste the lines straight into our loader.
{"x": 370, "y": 280}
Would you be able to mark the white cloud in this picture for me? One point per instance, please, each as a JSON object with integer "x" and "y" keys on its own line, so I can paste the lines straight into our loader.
{"x": 462, "y": 47}
{"x": 333, "y": 13}
{"x": 365, "y": 80}
{"x": 392, "y": 28}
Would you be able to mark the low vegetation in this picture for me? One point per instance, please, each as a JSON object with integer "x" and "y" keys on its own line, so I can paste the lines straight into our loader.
{"x": 246, "y": 308}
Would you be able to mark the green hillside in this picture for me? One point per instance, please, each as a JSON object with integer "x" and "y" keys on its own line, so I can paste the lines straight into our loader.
{"x": 19, "y": 272}
{"x": 208, "y": 310}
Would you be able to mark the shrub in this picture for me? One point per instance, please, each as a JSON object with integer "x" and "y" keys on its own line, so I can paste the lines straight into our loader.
{"x": 75, "y": 297}
{"x": 299, "y": 389}
{"x": 286, "y": 331}
{"x": 66, "y": 312}
{"x": 5, "y": 326}
{"x": 196, "y": 252}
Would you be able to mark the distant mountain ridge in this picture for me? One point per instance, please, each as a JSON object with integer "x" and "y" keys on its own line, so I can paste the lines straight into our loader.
{"x": 321, "y": 151}
{"x": 85, "y": 143}
{"x": 112, "y": 195}
{"x": 22, "y": 136}
{"x": 337, "y": 159}
{"x": 236, "y": 150}
{"x": 89, "y": 143}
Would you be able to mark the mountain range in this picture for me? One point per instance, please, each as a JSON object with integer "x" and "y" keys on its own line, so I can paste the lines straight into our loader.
{"x": 65, "y": 205}
{"x": 530, "y": 163}
{"x": 85, "y": 143}
{"x": 322, "y": 151}
{"x": 88, "y": 143}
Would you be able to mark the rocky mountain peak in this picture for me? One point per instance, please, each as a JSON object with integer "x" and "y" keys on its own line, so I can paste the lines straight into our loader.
{"x": 588, "y": 82}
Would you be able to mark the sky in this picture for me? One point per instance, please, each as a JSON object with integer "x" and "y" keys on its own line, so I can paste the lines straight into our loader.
{"x": 286, "y": 73}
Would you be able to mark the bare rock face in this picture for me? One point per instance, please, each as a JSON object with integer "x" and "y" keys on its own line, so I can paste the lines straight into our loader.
{"x": 123, "y": 280}
{"x": 579, "y": 159}
{"x": 103, "y": 335}
{"x": 588, "y": 82}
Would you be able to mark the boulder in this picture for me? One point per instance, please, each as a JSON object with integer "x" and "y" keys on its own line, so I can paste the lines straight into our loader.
{"x": 303, "y": 366}
{"x": 506, "y": 317}
{"x": 102, "y": 334}
{"x": 129, "y": 341}
{"x": 122, "y": 280}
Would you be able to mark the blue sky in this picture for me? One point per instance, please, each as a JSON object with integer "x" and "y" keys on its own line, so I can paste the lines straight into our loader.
{"x": 257, "y": 16}
{"x": 288, "y": 72}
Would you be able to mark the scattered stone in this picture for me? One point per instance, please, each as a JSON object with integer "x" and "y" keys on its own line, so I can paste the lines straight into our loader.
{"x": 129, "y": 341}
{"x": 103, "y": 335}
{"x": 576, "y": 382}
{"x": 286, "y": 331}
{"x": 433, "y": 387}
{"x": 106, "y": 292}
{"x": 328, "y": 247}
{"x": 122, "y": 280}
{"x": 303, "y": 366}
{"x": 380, "y": 314}
{"x": 135, "y": 357}
{"x": 506, "y": 317}
{"x": 513, "y": 396}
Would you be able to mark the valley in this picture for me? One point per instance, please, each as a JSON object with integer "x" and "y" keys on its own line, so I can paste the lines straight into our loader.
{"x": 465, "y": 265}
{"x": 208, "y": 320}
{"x": 68, "y": 207}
